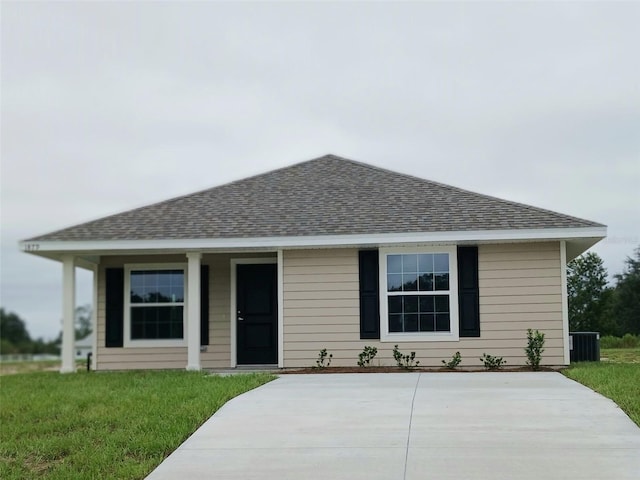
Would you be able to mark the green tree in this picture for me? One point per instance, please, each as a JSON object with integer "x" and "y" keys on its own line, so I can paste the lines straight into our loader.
{"x": 14, "y": 334}
{"x": 587, "y": 294}
{"x": 83, "y": 325}
{"x": 626, "y": 298}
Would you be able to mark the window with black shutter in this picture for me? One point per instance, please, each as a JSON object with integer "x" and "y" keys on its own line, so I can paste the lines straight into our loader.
{"x": 369, "y": 295}
{"x": 114, "y": 308}
{"x": 468, "y": 292}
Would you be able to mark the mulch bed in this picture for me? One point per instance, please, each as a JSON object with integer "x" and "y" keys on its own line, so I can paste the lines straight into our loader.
{"x": 315, "y": 370}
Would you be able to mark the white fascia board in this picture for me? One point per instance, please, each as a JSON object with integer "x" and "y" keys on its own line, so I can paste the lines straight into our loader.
{"x": 379, "y": 239}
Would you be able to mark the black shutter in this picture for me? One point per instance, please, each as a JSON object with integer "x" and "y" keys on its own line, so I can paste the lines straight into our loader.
{"x": 468, "y": 292}
{"x": 369, "y": 295}
{"x": 114, "y": 308}
{"x": 204, "y": 305}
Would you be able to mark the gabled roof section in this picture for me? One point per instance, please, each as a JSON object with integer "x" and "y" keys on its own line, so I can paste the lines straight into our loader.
{"x": 329, "y": 195}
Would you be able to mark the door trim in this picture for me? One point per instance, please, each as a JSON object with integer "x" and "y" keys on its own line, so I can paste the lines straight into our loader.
{"x": 233, "y": 306}
{"x": 280, "y": 286}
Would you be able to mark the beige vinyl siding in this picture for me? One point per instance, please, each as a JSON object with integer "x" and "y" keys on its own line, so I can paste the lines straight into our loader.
{"x": 519, "y": 289}
{"x": 218, "y": 352}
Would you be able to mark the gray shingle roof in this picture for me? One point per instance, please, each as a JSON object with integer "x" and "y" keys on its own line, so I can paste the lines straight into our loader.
{"x": 329, "y": 195}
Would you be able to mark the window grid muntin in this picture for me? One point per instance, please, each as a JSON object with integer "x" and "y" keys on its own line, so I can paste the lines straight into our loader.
{"x": 400, "y": 311}
{"x": 420, "y": 264}
{"x": 168, "y": 283}
{"x": 166, "y": 305}
{"x": 142, "y": 327}
{"x": 418, "y": 272}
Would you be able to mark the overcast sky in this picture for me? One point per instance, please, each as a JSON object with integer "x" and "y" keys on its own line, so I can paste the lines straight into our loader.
{"x": 111, "y": 106}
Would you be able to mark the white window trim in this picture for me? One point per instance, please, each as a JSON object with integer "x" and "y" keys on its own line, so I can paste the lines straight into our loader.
{"x": 128, "y": 343}
{"x": 453, "y": 335}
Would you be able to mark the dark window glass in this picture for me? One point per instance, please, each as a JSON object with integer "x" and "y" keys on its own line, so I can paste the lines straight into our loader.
{"x": 152, "y": 323}
{"x": 409, "y": 263}
{"x": 395, "y": 304}
{"x": 425, "y": 263}
{"x": 394, "y": 264}
{"x": 427, "y": 323}
{"x": 425, "y": 283}
{"x": 394, "y": 282}
{"x": 442, "y": 303}
{"x": 442, "y": 281}
{"x": 441, "y": 262}
{"x": 410, "y": 304}
{"x": 395, "y": 323}
{"x": 410, "y": 282}
{"x": 442, "y": 322}
{"x": 411, "y": 322}
{"x": 157, "y": 286}
{"x": 426, "y": 304}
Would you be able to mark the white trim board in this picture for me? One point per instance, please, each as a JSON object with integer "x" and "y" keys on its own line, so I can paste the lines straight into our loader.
{"x": 565, "y": 303}
{"x": 375, "y": 239}
{"x": 280, "y": 309}
{"x": 233, "y": 263}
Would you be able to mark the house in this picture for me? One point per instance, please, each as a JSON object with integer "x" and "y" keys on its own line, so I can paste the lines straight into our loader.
{"x": 328, "y": 253}
{"x": 83, "y": 347}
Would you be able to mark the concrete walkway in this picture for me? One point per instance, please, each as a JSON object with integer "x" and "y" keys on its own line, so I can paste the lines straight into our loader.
{"x": 413, "y": 426}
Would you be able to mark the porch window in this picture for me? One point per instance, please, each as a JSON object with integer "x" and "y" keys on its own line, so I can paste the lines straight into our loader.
{"x": 419, "y": 298}
{"x": 155, "y": 305}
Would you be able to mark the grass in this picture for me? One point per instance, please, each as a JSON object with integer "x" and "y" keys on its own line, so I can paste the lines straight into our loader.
{"x": 627, "y": 341}
{"x": 620, "y": 355}
{"x": 104, "y": 425}
{"x": 11, "y": 368}
{"x": 617, "y": 378}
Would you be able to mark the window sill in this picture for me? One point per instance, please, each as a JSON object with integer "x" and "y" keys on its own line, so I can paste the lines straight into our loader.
{"x": 419, "y": 337}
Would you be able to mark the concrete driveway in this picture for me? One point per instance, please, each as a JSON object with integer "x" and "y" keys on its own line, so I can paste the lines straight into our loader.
{"x": 413, "y": 426}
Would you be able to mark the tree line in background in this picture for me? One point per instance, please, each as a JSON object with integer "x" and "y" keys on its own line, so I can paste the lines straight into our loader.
{"x": 594, "y": 306}
{"x": 15, "y": 338}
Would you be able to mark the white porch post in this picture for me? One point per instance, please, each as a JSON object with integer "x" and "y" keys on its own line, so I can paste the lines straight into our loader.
{"x": 94, "y": 318}
{"x": 193, "y": 310}
{"x": 68, "y": 313}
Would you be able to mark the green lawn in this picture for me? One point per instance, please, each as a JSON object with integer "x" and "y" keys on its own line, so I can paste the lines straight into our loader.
{"x": 104, "y": 425}
{"x": 617, "y": 377}
{"x": 620, "y": 355}
{"x": 11, "y": 368}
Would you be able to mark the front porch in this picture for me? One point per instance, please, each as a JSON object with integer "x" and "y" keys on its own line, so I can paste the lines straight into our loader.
{"x": 195, "y": 326}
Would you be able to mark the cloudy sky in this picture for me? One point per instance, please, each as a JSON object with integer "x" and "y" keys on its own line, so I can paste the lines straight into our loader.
{"x": 111, "y": 106}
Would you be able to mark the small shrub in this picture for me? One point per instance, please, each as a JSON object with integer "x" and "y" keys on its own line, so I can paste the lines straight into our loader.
{"x": 628, "y": 341}
{"x": 534, "y": 349}
{"x": 454, "y": 362}
{"x": 491, "y": 362}
{"x": 405, "y": 361}
{"x": 366, "y": 356}
{"x": 324, "y": 359}
{"x": 610, "y": 342}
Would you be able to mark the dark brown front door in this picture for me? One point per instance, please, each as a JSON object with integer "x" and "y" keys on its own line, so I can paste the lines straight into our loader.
{"x": 257, "y": 314}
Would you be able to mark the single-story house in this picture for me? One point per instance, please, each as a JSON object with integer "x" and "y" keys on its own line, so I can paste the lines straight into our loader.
{"x": 84, "y": 346}
{"x": 326, "y": 254}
